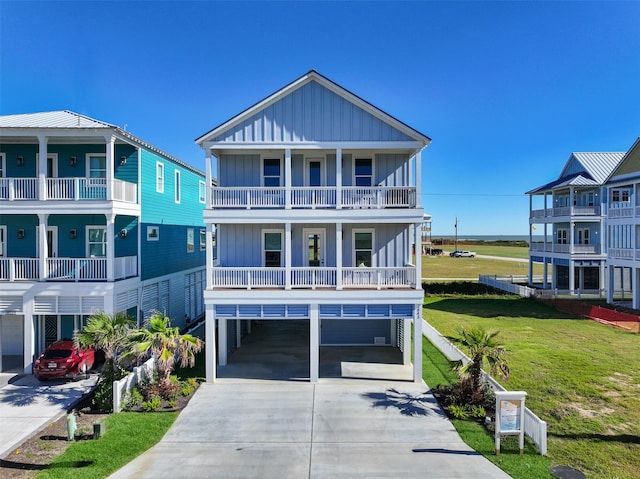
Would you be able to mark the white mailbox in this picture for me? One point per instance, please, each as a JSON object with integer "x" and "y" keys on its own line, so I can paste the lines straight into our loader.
{"x": 510, "y": 416}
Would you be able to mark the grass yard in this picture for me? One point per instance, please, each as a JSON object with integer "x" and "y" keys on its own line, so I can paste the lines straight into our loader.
{"x": 470, "y": 268}
{"x": 581, "y": 377}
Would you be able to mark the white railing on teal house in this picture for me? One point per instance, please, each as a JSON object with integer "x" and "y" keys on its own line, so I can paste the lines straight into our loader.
{"x": 66, "y": 269}
{"x": 70, "y": 189}
{"x": 314, "y": 197}
{"x": 314, "y": 277}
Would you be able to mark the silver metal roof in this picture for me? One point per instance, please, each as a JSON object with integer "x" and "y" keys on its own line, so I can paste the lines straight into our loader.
{"x": 583, "y": 169}
{"x": 51, "y": 119}
{"x": 599, "y": 164}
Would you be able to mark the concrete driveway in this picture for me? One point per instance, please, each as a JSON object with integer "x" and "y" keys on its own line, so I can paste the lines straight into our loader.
{"x": 336, "y": 428}
{"x": 27, "y": 405}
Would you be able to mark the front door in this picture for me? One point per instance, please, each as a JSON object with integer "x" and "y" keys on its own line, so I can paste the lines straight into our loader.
{"x": 314, "y": 174}
{"x": 314, "y": 246}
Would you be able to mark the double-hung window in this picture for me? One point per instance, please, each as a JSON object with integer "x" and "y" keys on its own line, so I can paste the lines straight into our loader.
{"x": 363, "y": 247}
{"x": 272, "y": 248}
{"x": 562, "y": 236}
{"x": 191, "y": 245}
{"x": 97, "y": 166}
{"x": 202, "y": 192}
{"x": 160, "y": 177}
{"x": 363, "y": 172}
{"x": 96, "y": 241}
{"x": 271, "y": 172}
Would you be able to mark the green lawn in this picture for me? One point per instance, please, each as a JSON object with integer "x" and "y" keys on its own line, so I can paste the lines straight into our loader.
{"x": 447, "y": 267}
{"x": 581, "y": 377}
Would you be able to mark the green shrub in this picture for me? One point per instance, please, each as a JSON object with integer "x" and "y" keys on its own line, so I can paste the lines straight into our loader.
{"x": 151, "y": 405}
{"x": 133, "y": 399}
{"x": 458, "y": 411}
{"x": 172, "y": 404}
{"x": 478, "y": 412}
{"x": 187, "y": 390}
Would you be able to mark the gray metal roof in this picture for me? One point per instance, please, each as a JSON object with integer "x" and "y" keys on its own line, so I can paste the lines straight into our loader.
{"x": 583, "y": 169}
{"x": 65, "y": 119}
{"x": 599, "y": 164}
{"x": 51, "y": 119}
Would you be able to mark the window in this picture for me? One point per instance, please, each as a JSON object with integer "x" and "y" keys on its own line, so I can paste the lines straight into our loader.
{"x": 620, "y": 196}
{"x": 214, "y": 242}
{"x": 3, "y": 241}
{"x": 272, "y": 248}
{"x": 202, "y": 192}
{"x": 271, "y": 172}
{"x": 363, "y": 172}
{"x": 153, "y": 233}
{"x": 159, "y": 177}
{"x": 96, "y": 241}
{"x": 562, "y": 236}
{"x": 2, "y": 165}
{"x": 191, "y": 240}
{"x": 583, "y": 236}
{"x": 363, "y": 247}
{"x": 177, "y": 189}
{"x": 97, "y": 165}
{"x": 203, "y": 240}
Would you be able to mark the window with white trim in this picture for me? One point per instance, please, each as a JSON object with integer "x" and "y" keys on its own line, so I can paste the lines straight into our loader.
{"x": 202, "y": 192}
{"x": 620, "y": 195}
{"x": 159, "y": 177}
{"x": 177, "y": 186}
{"x": 363, "y": 172}
{"x": 583, "y": 235}
{"x": 272, "y": 248}
{"x": 96, "y": 166}
{"x": 203, "y": 240}
{"x": 363, "y": 247}
{"x": 191, "y": 245}
{"x": 271, "y": 172}
{"x": 153, "y": 233}
{"x": 96, "y": 241}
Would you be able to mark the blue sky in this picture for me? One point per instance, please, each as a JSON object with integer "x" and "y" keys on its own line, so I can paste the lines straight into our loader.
{"x": 506, "y": 90}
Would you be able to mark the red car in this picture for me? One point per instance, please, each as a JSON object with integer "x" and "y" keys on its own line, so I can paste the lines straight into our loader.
{"x": 63, "y": 360}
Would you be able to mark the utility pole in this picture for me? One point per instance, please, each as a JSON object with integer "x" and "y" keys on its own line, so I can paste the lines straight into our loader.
{"x": 456, "y": 237}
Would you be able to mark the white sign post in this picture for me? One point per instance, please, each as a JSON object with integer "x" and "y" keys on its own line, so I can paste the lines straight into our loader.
{"x": 510, "y": 416}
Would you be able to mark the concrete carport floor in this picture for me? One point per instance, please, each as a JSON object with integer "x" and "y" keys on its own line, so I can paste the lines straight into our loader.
{"x": 279, "y": 350}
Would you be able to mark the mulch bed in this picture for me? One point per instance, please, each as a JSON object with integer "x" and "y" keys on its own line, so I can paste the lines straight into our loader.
{"x": 37, "y": 452}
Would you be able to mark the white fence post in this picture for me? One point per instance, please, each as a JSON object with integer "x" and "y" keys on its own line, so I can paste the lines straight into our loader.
{"x": 127, "y": 383}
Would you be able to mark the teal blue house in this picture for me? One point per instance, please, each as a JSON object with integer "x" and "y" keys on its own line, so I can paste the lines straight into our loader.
{"x": 92, "y": 218}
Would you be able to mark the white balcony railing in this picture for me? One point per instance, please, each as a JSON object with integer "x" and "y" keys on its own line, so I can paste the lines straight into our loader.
{"x": 70, "y": 189}
{"x": 622, "y": 253}
{"x": 66, "y": 269}
{"x": 565, "y": 248}
{"x": 566, "y": 211}
{"x": 314, "y": 197}
{"x": 312, "y": 278}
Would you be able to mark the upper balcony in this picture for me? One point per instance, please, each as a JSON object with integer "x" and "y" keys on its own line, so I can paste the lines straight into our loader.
{"x": 566, "y": 211}
{"x": 67, "y": 189}
{"x": 313, "y": 197}
{"x": 565, "y": 248}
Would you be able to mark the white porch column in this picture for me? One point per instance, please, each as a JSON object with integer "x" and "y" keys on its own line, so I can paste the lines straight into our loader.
{"x": 110, "y": 142}
{"x": 314, "y": 343}
{"x": 209, "y": 256}
{"x": 417, "y": 343}
{"x": 635, "y": 290}
{"x": 238, "y": 333}
{"x": 222, "y": 342}
{"x": 29, "y": 340}
{"x": 530, "y": 272}
{"x": 287, "y": 256}
{"x": 418, "y": 257}
{"x": 554, "y": 279}
{"x": 572, "y": 276}
{"x": 545, "y": 274}
{"x": 210, "y": 343}
{"x": 43, "y": 252}
{"x": 603, "y": 276}
{"x": 111, "y": 240}
{"x": 418, "y": 160}
{"x": 209, "y": 180}
{"x": 572, "y": 199}
{"x": 287, "y": 179}
{"x": 338, "y": 256}
{"x": 42, "y": 167}
{"x": 406, "y": 352}
{"x": 339, "y": 178}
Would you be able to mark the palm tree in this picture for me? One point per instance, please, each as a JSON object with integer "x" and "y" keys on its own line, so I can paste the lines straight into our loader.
{"x": 164, "y": 342}
{"x": 108, "y": 333}
{"x": 483, "y": 347}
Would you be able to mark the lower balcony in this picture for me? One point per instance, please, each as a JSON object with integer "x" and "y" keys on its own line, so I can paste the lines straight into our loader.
{"x": 314, "y": 278}
{"x": 67, "y": 269}
{"x": 70, "y": 189}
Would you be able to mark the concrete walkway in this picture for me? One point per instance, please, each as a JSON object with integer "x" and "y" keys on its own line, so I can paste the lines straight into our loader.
{"x": 28, "y": 405}
{"x": 332, "y": 429}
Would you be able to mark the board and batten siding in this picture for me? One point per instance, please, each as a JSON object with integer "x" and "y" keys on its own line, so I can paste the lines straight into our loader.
{"x": 312, "y": 113}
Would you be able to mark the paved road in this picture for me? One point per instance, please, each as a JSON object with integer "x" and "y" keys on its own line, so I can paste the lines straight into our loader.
{"x": 27, "y": 405}
{"x": 331, "y": 429}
